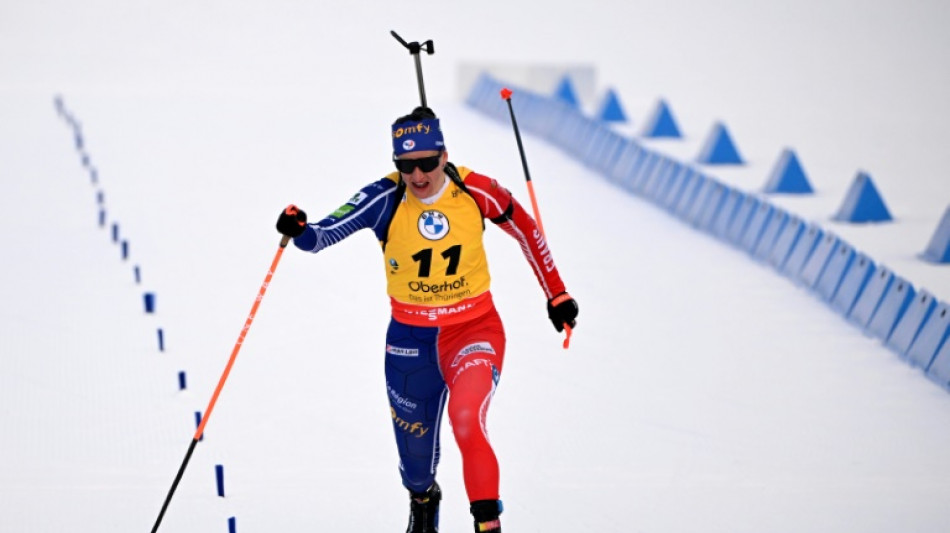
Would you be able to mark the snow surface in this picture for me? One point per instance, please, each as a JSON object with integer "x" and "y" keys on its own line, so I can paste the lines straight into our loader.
{"x": 702, "y": 391}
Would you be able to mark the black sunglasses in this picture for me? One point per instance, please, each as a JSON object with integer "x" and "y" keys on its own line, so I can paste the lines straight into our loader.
{"x": 425, "y": 164}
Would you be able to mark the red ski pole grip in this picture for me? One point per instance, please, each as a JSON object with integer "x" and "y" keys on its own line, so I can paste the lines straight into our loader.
{"x": 506, "y": 93}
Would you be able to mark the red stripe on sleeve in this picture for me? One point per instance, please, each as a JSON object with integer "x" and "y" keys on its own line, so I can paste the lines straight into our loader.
{"x": 494, "y": 200}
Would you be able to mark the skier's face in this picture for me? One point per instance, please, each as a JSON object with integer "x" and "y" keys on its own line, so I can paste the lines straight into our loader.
{"x": 420, "y": 183}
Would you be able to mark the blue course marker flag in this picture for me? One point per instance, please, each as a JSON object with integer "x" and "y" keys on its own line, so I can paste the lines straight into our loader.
{"x": 565, "y": 92}
{"x": 610, "y": 108}
{"x": 862, "y": 202}
{"x": 938, "y": 249}
{"x": 719, "y": 148}
{"x": 219, "y": 476}
{"x": 788, "y": 176}
{"x": 661, "y": 123}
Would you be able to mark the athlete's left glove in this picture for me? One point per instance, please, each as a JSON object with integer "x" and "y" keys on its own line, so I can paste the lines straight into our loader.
{"x": 562, "y": 310}
{"x": 292, "y": 221}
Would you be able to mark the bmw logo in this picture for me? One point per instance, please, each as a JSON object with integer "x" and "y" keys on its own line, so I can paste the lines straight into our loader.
{"x": 433, "y": 225}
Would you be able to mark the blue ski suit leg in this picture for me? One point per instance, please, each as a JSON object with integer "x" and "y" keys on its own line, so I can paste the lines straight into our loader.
{"x": 417, "y": 396}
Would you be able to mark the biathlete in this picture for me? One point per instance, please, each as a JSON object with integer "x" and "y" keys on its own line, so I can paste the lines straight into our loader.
{"x": 445, "y": 343}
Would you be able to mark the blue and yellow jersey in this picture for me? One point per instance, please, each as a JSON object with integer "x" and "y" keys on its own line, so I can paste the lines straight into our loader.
{"x": 433, "y": 253}
{"x": 434, "y": 256}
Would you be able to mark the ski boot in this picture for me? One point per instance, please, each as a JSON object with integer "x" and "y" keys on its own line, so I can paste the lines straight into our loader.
{"x": 486, "y": 513}
{"x": 424, "y": 510}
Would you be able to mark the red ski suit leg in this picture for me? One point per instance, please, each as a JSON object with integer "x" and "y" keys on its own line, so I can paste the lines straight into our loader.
{"x": 471, "y": 357}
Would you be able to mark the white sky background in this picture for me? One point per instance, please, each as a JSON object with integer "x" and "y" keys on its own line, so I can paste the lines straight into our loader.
{"x": 703, "y": 391}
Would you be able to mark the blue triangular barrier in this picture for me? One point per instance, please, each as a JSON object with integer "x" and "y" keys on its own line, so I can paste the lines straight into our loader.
{"x": 870, "y": 296}
{"x": 688, "y": 196}
{"x": 715, "y": 198}
{"x": 893, "y": 304}
{"x": 862, "y": 203}
{"x": 805, "y": 244}
{"x": 852, "y": 285}
{"x": 785, "y": 242}
{"x": 907, "y": 328}
{"x": 939, "y": 369}
{"x": 661, "y": 123}
{"x": 834, "y": 272}
{"x": 565, "y": 92}
{"x": 772, "y": 230}
{"x": 720, "y": 226}
{"x": 719, "y": 148}
{"x": 610, "y": 108}
{"x": 818, "y": 259}
{"x": 932, "y": 335}
{"x": 788, "y": 176}
{"x": 938, "y": 250}
{"x": 756, "y": 226}
{"x": 740, "y": 221}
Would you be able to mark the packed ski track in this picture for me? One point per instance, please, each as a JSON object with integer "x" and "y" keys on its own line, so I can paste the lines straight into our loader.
{"x": 702, "y": 389}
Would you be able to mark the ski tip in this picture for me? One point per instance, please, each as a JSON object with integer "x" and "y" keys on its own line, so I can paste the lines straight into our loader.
{"x": 506, "y": 93}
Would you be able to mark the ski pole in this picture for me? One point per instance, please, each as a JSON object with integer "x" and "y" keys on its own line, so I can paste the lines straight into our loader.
{"x": 224, "y": 377}
{"x": 414, "y": 49}
{"x": 506, "y": 95}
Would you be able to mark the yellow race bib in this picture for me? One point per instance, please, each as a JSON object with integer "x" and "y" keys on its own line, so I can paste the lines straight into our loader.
{"x": 434, "y": 254}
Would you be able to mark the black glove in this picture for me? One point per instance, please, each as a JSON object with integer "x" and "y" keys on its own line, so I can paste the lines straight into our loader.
{"x": 292, "y": 221}
{"x": 562, "y": 310}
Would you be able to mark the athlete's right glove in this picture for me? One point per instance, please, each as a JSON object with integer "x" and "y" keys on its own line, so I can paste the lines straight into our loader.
{"x": 292, "y": 221}
{"x": 562, "y": 310}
